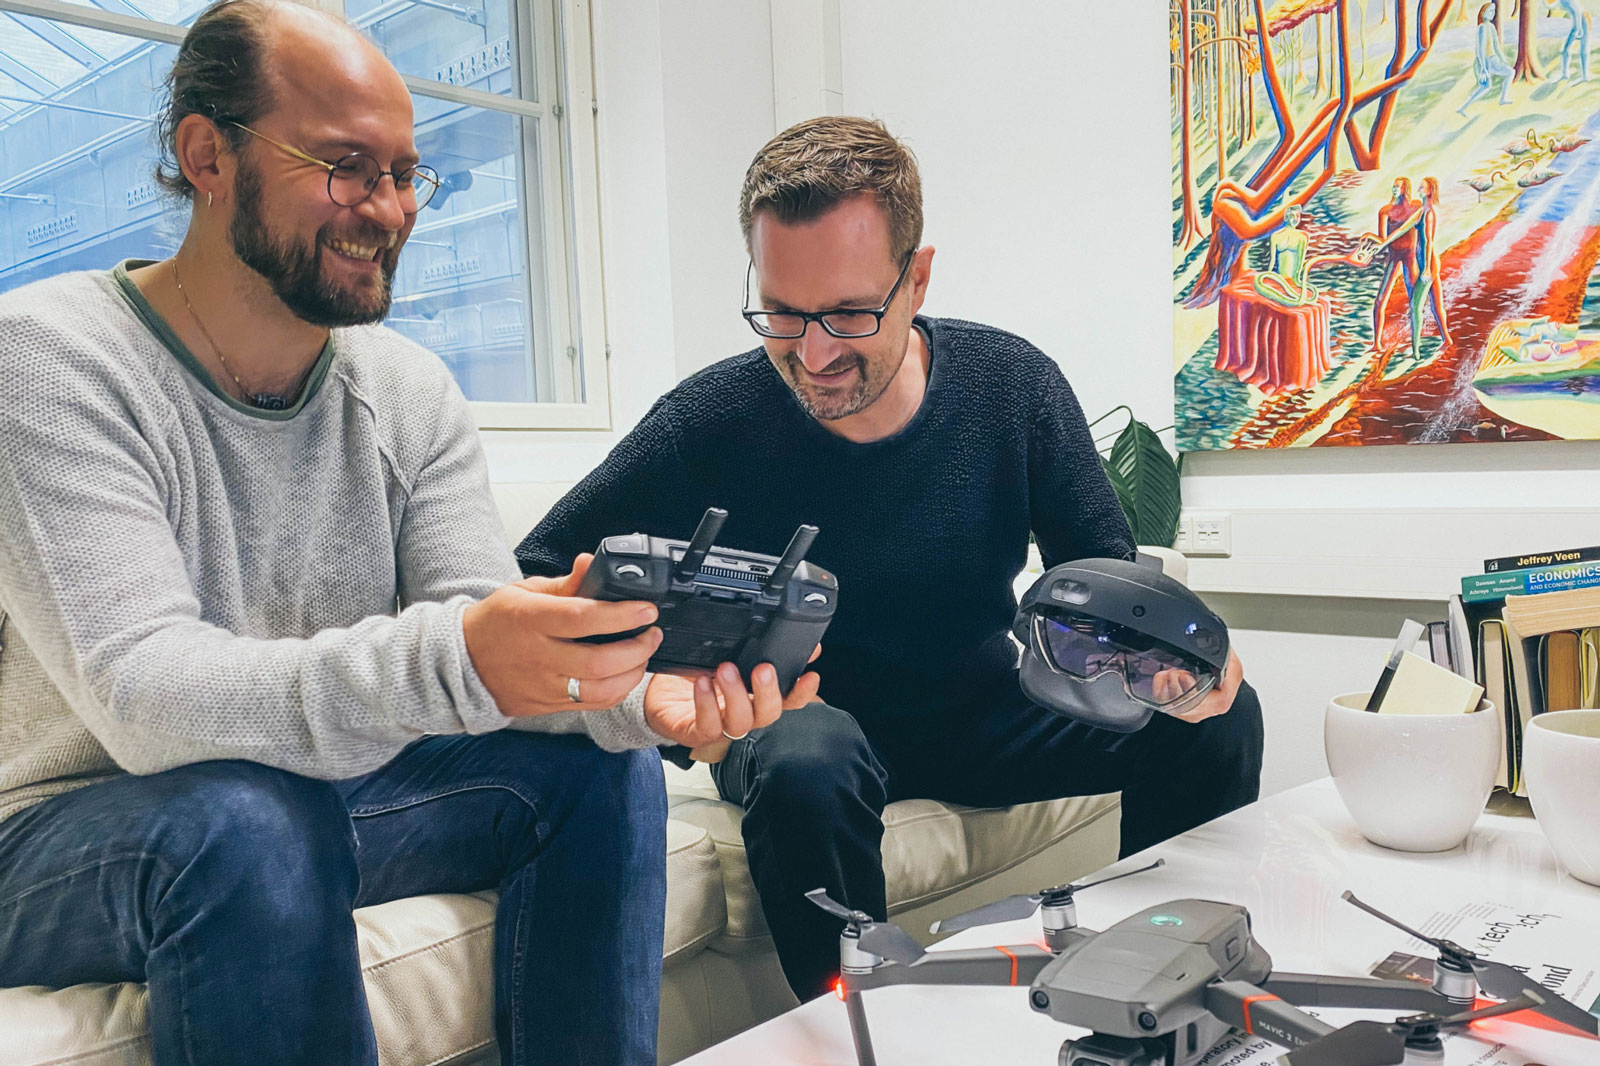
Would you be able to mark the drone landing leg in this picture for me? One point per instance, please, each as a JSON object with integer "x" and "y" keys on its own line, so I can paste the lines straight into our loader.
{"x": 858, "y": 1027}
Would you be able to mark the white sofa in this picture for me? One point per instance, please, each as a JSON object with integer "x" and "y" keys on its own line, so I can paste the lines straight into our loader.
{"x": 427, "y": 960}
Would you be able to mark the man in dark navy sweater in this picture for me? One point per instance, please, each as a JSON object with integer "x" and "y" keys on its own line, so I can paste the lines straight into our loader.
{"x": 925, "y": 450}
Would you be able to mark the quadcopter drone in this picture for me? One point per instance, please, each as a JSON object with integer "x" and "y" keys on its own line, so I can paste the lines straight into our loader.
{"x": 1163, "y": 986}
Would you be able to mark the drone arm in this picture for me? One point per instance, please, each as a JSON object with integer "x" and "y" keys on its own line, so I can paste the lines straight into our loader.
{"x": 1261, "y": 1013}
{"x": 1322, "y": 990}
{"x": 1017, "y": 965}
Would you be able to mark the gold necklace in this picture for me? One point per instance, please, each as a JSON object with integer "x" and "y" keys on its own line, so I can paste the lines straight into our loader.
{"x": 244, "y": 394}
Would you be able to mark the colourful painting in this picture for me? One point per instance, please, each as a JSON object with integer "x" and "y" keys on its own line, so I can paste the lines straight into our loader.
{"x": 1386, "y": 217}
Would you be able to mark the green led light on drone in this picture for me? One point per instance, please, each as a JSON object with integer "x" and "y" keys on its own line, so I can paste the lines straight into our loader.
{"x": 1165, "y": 919}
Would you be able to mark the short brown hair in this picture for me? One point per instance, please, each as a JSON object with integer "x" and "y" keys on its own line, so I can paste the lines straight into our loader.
{"x": 810, "y": 167}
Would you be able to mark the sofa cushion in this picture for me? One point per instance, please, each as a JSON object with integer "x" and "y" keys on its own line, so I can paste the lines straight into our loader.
{"x": 424, "y": 957}
{"x": 427, "y": 963}
{"x": 696, "y": 907}
{"x": 930, "y": 849}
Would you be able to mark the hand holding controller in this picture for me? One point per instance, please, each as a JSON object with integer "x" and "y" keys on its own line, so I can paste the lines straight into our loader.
{"x": 708, "y": 712}
{"x": 719, "y": 605}
{"x": 526, "y": 643}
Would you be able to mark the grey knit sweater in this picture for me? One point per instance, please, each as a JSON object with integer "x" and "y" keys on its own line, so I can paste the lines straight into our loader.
{"x": 183, "y": 578}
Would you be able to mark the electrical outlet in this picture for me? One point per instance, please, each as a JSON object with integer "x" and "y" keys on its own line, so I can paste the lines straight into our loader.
{"x": 1211, "y": 533}
{"x": 1184, "y": 539}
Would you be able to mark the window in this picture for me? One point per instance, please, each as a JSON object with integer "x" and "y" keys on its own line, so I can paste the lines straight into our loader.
{"x": 491, "y": 276}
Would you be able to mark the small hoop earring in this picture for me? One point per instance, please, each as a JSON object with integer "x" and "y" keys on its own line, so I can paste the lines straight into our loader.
{"x": 208, "y": 199}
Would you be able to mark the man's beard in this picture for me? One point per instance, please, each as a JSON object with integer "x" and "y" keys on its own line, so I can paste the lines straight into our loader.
{"x": 833, "y": 404}
{"x": 295, "y": 271}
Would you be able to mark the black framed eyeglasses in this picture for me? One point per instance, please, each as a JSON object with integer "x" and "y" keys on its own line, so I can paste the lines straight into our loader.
{"x": 846, "y": 323}
{"x": 353, "y": 178}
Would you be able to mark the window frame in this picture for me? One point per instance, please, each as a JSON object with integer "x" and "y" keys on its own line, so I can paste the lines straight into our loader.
{"x": 559, "y": 134}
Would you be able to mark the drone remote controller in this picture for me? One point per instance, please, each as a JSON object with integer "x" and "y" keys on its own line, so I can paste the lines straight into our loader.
{"x": 716, "y": 604}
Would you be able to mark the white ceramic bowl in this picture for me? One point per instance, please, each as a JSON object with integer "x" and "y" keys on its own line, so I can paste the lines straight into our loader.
{"x": 1561, "y": 762}
{"x": 1411, "y": 782}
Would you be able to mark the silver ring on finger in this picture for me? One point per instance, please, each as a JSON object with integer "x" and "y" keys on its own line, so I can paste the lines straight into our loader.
{"x": 730, "y": 736}
{"x": 572, "y": 690}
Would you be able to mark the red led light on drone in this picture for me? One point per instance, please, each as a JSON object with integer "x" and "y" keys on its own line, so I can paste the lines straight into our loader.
{"x": 1012, "y": 956}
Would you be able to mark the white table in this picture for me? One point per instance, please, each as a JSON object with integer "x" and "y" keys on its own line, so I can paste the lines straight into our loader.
{"x": 1286, "y": 858}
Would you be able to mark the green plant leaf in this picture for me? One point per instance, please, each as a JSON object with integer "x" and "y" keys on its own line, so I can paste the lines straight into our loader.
{"x": 1145, "y": 478}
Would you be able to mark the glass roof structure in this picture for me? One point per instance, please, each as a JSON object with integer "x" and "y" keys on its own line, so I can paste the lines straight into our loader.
{"x": 43, "y": 63}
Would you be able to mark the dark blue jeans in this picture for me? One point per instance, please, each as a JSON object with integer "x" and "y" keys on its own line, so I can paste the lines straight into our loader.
{"x": 229, "y": 886}
{"x": 814, "y": 785}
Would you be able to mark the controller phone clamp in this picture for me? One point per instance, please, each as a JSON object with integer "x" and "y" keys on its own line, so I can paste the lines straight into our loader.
{"x": 717, "y": 604}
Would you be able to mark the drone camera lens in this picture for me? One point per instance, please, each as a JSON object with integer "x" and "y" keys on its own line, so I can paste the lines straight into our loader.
{"x": 1138, "y": 612}
{"x": 1040, "y": 1000}
{"x": 1147, "y": 1020}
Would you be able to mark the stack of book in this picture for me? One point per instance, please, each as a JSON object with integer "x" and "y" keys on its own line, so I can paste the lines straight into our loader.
{"x": 1530, "y": 627}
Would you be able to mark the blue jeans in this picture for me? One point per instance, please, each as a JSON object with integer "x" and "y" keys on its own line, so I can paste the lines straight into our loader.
{"x": 229, "y": 886}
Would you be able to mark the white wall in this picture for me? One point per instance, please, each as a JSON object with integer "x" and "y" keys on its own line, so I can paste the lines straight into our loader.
{"x": 717, "y": 83}
{"x": 1045, "y": 206}
{"x": 1043, "y": 133}
{"x": 1041, "y": 126}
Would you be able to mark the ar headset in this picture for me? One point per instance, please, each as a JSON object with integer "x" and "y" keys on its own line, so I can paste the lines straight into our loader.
{"x": 1110, "y": 642}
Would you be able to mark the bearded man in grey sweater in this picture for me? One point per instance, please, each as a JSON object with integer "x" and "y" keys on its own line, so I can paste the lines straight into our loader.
{"x": 218, "y": 733}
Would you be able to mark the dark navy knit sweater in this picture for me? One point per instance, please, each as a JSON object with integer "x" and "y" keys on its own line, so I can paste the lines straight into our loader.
{"x": 925, "y": 530}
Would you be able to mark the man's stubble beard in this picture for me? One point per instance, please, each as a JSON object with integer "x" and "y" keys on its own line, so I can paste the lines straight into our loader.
{"x": 863, "y": 395}
{"x": 295, "y": 272}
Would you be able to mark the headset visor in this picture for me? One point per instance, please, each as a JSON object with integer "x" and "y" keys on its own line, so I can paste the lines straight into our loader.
{"x": 1154, "y": 674}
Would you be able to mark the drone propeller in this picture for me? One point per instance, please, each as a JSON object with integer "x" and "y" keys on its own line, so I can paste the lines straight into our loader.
{"x": 1384, "y": 1043}
{"x": 1015, "y": 908}
{"x": 1496, "y": 978}
{"x": 883, "y": 939}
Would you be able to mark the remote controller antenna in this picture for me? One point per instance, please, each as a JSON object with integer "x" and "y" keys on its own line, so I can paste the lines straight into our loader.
{"x": 799, "y": 544}
{"x": 705, "y": 534}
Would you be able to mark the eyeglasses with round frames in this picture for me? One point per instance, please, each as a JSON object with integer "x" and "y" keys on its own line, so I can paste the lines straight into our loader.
{"x": 353, "y": 178}
{"x": 845, "y": 323}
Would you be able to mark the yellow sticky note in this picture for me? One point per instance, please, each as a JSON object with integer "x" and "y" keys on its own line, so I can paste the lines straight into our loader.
{"x": 1422, "y": 687}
